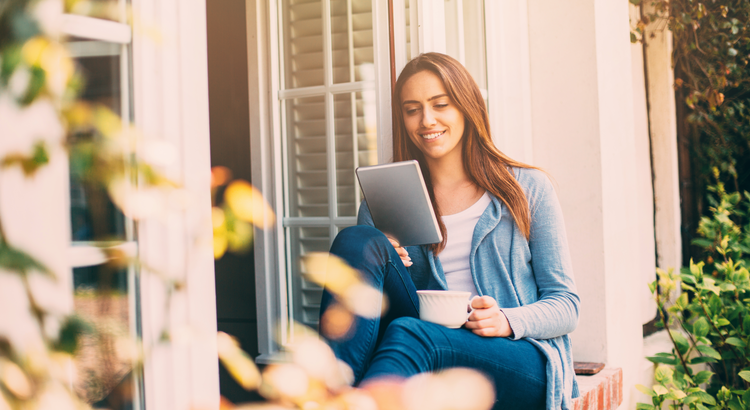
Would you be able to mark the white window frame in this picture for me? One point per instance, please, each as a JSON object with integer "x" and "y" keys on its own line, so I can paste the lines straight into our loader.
{"x": 110, "y": 38}
{"x": 267, "y": 150}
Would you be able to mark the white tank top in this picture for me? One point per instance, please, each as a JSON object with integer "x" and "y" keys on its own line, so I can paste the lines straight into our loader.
{"x": 455, "y": 256}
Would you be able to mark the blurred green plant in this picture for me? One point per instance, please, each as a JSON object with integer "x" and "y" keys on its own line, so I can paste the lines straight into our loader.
{"x": 706, "y": 310}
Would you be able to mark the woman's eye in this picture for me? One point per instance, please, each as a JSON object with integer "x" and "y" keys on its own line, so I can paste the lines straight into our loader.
{"x": 411, "y": 111}
{"x": 441, "y": 105}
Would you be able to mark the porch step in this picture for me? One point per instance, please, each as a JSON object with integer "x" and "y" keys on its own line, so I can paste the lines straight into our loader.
{"x": 602, "y": 391}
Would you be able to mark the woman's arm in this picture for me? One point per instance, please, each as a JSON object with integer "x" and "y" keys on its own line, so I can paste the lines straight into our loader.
{"x": 555, "y": 313}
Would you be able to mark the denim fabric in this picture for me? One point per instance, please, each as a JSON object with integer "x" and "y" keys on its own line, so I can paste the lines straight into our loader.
{"x": 532, "y": 280}
{"x": 399, "y": 344}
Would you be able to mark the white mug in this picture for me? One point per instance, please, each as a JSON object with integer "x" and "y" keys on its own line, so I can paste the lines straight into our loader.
{"x": 444, "y": 307}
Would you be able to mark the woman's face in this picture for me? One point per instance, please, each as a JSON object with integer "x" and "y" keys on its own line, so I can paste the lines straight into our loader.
{"x": 432, "y": 120}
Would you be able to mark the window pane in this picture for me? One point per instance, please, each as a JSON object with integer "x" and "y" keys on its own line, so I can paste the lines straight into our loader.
{"x": 303, "y": 43}
{"x": 351, "y": 40}
{"x": 356, "y": 137}
{"x": 104, "y": 377}
{"x": 306, "y": 295}
{"x": 307, "y": 156}
{"x": 93, "y": 215}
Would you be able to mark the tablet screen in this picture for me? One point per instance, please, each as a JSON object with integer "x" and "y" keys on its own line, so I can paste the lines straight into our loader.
{"x": 399, "y": 202}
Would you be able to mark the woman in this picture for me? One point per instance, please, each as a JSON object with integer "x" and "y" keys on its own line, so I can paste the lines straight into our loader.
{"x": 504, "y": 240}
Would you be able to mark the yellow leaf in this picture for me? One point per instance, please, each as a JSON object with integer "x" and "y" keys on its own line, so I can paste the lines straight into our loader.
{"x": 237, "y": 362}
{"x": 220, "y": 244}
{"x": 15, "y": 380}
{"x": 33, "y": 50}
{"x": 248, "y": 204}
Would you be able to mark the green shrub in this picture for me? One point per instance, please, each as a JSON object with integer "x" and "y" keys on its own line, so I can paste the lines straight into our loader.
{"x": 709, "y": 319}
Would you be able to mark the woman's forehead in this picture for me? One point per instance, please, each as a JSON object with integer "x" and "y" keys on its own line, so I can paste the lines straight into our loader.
{"x": 422, "y": 86}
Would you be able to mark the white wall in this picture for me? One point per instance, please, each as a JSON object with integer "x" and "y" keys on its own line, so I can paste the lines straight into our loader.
{"x": 584, "y": 135}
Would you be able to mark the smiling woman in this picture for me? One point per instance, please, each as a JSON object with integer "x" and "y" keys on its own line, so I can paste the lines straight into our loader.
{"x": 518, "y": 269}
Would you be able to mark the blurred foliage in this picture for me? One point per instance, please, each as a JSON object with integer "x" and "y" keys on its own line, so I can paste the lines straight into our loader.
{"x": 709, "y": 319}
{"x": 36, "y": 68}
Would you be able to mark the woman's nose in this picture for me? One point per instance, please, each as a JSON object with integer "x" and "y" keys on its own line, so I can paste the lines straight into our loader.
{"x": 428, "y": 119}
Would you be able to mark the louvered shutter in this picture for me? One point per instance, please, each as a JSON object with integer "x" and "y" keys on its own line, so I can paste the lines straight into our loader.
{"x": 328, "y": 113}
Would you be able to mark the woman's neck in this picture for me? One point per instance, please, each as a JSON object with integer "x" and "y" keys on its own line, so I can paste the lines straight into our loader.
{"x": 454, "y": 190}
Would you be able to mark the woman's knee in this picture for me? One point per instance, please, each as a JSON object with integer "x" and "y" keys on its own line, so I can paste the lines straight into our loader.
{"x": 362, "y": 244}
{"x": 408, "y": 331}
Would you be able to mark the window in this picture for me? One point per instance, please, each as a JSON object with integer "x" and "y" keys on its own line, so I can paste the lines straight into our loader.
{"x": 106, "y": 296}
{"x": 321, "y": 73}
{"x": 329, "y": 128}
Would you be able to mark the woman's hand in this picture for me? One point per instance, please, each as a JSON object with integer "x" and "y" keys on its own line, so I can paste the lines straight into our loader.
{"x": 487, "y": 319}
{"x": 402, "y": 253}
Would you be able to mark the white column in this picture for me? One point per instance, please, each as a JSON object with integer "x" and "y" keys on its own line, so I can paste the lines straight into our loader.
{"x": 663, "y": 123}
{"x": 171, "y": 105}
{"x": 583, "y": 134}
{"x": 508, "y": 84}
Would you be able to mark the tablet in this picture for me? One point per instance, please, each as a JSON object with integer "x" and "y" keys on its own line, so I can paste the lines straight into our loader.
{"x": 399, "y": 202}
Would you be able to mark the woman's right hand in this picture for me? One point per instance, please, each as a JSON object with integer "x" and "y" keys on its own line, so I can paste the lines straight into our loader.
{"x": 402, "y": 253}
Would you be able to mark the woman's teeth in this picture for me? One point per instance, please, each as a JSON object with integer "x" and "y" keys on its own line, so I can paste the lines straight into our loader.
{"x": 433, "y": 135}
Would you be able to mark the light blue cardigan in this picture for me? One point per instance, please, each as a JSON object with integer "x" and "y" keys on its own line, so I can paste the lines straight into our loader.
{"x": 532, "y": 280}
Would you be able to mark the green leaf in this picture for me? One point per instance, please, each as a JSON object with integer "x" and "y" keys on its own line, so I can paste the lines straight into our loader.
{"x": 18, "y": 261}
{"x": 675, "y": 395}
{"x": 663, "y": 374}
{"x": 702, "y": 376}
{"x": 680, "y": 341}
{"x": 734, "y": 341}
{"x": 644, "y": 406}
{"x": 700, "y": 327}
{"x": 703, "y": 359}
{"x": 660, "y": 390}
{"x": 682, "y": 301}
{"x": 745, "y": 375}
{"x": 704, "y": 397}
{"x": 645, "y": 390}
{"x": 70, "y": 332}
{"x": 687, "y": 279}
{"x": 746, "y": 396}
{"x": 29, "y": 164}
{"x": 636, "y": 2}
{"x": 723, "y": 322}
{"x": 633, "y": 38}
{"x": 700, "y": 406}
{"x": 734, "y": 404}
{"x": 727, "y": 287}
{"x": 704, "y": 243}
{"x": 660, "y": 359}
{"x": 709, "y": 351}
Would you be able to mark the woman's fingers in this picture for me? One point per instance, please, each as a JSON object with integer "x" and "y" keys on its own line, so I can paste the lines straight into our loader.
{"x": 487, "y": 319}
{"x": 483, "y": 302}
{"x": 402, "y": 253}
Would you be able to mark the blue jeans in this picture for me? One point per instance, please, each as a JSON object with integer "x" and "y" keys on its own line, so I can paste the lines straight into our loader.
{"x": 399, "y": 344}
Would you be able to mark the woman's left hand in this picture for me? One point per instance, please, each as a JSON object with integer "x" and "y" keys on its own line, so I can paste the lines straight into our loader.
{"x": 487, "y": 319}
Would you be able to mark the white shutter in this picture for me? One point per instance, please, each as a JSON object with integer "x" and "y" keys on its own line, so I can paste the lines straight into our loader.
{"x": 329, "y": 128}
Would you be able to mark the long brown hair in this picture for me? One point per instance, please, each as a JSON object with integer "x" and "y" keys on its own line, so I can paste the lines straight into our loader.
{"x": 485, "y": 165}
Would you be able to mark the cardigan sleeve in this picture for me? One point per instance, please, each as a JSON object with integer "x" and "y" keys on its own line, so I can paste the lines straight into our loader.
{"x": 555, "y": 313}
